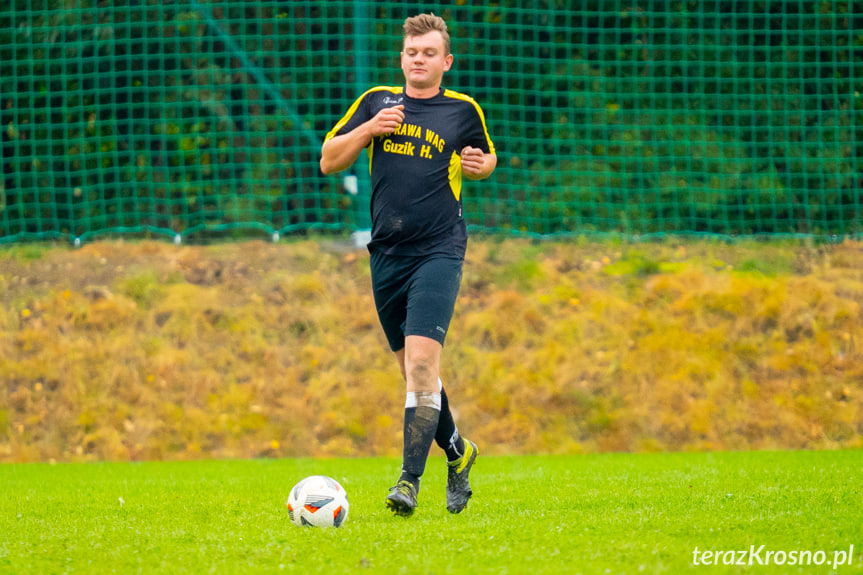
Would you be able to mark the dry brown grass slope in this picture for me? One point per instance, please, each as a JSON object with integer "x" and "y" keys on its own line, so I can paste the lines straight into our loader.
{"x": 143, "y": 350}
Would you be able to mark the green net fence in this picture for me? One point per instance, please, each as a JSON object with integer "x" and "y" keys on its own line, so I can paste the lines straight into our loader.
{"x": 631, "y": 118}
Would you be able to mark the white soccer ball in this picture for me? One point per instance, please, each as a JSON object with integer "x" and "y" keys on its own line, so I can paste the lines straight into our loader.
{"x": 318, "y": 501}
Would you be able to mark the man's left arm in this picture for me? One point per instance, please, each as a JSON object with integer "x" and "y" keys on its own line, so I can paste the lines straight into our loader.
{"x": 476, "y": 164}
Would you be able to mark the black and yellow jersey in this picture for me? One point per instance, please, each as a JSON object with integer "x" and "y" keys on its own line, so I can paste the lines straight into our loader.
{"x": 416, "y": 173}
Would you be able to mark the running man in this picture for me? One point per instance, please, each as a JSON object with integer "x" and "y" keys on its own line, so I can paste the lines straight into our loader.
{"x": 421, "y": 140}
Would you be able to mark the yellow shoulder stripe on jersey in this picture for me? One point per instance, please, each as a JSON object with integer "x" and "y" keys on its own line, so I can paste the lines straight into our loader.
{"x": 466, "y": 98}
{"x": 353, "y": 109}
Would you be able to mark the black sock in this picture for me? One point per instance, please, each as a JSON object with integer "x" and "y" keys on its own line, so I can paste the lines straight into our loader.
{"x": 447, "y": 435}
{"x": 420, "y": 425}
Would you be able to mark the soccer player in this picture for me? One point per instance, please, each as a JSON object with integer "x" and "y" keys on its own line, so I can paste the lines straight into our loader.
{"x": 421, "y": 141}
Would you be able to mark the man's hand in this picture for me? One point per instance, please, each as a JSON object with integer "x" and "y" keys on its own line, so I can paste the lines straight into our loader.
{"x": 339, "y": 153}
{"x": 476, "y": 164}
{"x": 386, "y": 121}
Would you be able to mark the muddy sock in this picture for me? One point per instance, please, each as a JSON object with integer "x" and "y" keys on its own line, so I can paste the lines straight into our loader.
{"x": 422, "y": 413}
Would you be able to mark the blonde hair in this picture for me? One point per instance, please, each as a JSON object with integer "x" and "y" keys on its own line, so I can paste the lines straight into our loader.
{"x": 425, "y": 23}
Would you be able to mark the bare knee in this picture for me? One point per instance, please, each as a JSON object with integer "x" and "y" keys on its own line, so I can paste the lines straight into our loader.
{"x": 420, "y": 373}
{"x": 400, "y": 357}
{"x": 422, "y": 362}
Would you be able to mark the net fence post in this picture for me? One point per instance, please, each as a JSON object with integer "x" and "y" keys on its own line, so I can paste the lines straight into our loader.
{"x": 359, "y": 184}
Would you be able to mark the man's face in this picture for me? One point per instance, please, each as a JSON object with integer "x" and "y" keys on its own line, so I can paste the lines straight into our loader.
{"x": 424, "y": 60}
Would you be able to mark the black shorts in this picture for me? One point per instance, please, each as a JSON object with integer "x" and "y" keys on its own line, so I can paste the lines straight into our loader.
{"x": 415, "y": 295}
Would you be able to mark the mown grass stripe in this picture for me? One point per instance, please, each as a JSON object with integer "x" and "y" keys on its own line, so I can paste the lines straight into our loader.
{"x": 616, "y": 513}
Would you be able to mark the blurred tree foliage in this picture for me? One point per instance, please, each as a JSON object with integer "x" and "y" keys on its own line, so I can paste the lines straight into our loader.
{"x": 125, "y": 114}
{"x": 723, "y": 117}
{"x": 639, "y": 117}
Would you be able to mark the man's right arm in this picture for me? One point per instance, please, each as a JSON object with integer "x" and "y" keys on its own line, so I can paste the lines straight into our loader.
{"x": 340, "y": 152}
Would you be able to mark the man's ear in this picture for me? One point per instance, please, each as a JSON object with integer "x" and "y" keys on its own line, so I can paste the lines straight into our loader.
{"x": 447, "y": 62}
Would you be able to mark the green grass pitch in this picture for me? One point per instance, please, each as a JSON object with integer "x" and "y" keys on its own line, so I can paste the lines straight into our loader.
{"x": 783, "y": 512}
